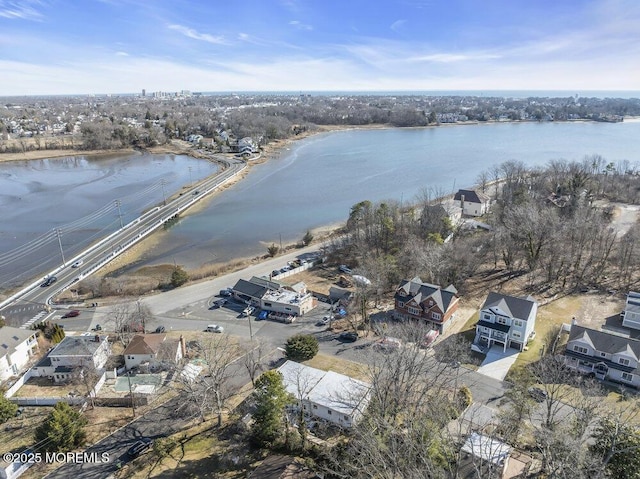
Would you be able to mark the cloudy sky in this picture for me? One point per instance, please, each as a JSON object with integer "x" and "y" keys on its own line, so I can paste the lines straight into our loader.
{"x": 121, "y": 46}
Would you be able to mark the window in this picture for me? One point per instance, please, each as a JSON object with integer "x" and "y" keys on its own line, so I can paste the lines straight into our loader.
{"x": 486, "y": 316}
{"x": 580, "y": 349}
{"x": 516, "y": 335}
{"x": 412, "y": 310}
{"x": 315, "y": 407}
{"x": 517, "y": 322}
{"x": 287, "y": 309}
{"x": 501, "y": 320}
{"x": 346, "y": 418}
{"x": 627, "y": 377}
{"x": 436, "y": 316}
{"x": 604, "y": 355}
{"x": 329, "y": 412}
{"x": 623, "y": 361}
{"x": 430, "y": 302}
{"x": 400, "y": 304}
{"x": 268, "y": 305}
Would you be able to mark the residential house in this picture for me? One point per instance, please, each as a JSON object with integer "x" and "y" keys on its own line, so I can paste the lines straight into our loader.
{"x": 74, "y": 352}
{"x": 426, "y": 302}
{"x": 17, "y": 347}
{"x": 153, "y": 350}
{"x": 605, "y": 355}
{"x": 272, "y": 296}
{"x": 473, "y": 202}
{"x": 327, "y": 395}
{"x": 506, "y": 320}
{"x": 631, "y": 313}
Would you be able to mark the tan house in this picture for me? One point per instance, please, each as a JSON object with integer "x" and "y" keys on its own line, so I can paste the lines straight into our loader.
{"x": 427, "y": 302}
{"x": 152, "y": 350}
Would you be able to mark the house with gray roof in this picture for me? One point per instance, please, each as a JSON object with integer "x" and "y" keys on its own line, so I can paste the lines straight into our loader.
{"x": 327, "y": 395}
{"x": 631, "y": 313}
{"x": 505, "y": 320}
{"x": 17, "y": 347}
{"x": 425, "y": 302}
{"x": 275, "y": 297}
{"x": 73, "y": 352}
{"x": 606, "y": 355}
{"x": 473, "y": 202}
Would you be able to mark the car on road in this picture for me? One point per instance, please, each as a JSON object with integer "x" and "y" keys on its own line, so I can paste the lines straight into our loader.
{"x": 324, "y": 321}
{"x": 214, "y": 328}
{"x": 539, "y": 395}
{"x": 139, "y": 447}
{"x": 49, "y": 281}
{"x": 77, "y": 263}
{"x": 348, "y": 337}
{"x": 71, "y": 314}
{"x": 160, "y": 329}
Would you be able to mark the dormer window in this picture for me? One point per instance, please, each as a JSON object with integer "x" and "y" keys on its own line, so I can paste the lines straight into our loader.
{"x": 623, "y": 361}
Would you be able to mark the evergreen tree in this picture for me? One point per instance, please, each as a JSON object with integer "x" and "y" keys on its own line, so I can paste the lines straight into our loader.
{"x": 271, "y": 398}
{"x": 7, "y": 408}
{"x": 301, "y": 347}
{"x": 63, "y": 430}
{"x": 179, "y": 277}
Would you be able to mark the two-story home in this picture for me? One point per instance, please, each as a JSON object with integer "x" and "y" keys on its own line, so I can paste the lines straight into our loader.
{"x": 17, "y": 346}
{"x": 603, "y": 354}
{"x": 153, "y": 350}
{"x": 473, "y": 202}
{"x": 631, "y": 313}
{"x": 90, "y": 351}
{"x": 426, "y": 302}
{"x": 505, "y": 320}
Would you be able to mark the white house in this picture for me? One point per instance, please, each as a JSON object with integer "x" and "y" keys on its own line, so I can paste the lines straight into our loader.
{"x": 483, "y": 457}
{"x": 603, "y": 354}
{"x": 74, "y": 352}
{"x": 631, "y": 313}
{"x": 505, "y": 320}
{"x": 152, "y": 349}
{"x": 17, "y": 346}
{"x": 473, "y": 202}
{"x": 274, "y": 297}
{"x": 325, "y": 394}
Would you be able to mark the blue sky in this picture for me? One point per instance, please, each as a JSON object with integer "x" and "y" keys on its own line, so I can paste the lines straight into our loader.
{"x": 119, "y": 46}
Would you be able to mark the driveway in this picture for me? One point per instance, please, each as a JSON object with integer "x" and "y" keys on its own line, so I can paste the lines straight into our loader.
{"x": 497, "y": 363}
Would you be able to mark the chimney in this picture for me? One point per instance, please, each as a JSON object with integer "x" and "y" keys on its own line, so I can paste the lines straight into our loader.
{"x": 183, "y": 346}
{"x": 96, "y": 338}
{"x": 462, "y": 202}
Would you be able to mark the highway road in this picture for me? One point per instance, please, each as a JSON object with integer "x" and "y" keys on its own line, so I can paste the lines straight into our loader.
{"x": 34, "y": 298}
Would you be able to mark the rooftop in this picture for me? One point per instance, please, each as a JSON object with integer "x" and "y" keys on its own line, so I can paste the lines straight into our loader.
{"x": 12, "y": 337}
{"x": 78, "y": 346}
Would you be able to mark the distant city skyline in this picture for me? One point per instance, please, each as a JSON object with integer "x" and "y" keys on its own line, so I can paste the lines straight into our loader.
{"x": 50, "y": 47}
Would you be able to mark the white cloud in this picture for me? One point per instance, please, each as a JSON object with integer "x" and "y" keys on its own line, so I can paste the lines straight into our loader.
{"x": 122, "y": 54}
{"x": 397, "y": 25}
{"x": 205, "y": 37}
{"x": 23, "y": 10}
{"x": 300, "y": 26}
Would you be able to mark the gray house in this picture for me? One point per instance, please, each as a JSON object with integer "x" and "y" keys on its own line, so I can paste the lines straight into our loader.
{"x": 603, "y": 354}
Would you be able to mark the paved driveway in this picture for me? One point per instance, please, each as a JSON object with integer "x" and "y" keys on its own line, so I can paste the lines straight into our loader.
{"x": 497, "y": 362}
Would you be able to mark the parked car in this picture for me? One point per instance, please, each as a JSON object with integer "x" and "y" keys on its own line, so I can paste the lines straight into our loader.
{"x": 539, "y": 395}
{"x": 77, "y": 263}
{"x": 348, "y": 337}
{"x": 214, "y": 328}
{"x": 49, "y": 281}
{"x": 388, "y": 344}
{"x": 248, "y": 311}
{"x": 219, "y": 303}
{"x": 263, "y": 315}
{"x": 97, "y": 328}
{"x": 226, "y": 292}
{"x": 71, "y": 314}
{"x": 430, "y": 338}
{"x": 160, "y": 329}
{"x": 343, "y": 268}
{"x": 275, "y": 272}
{"x": 139, "y": 447}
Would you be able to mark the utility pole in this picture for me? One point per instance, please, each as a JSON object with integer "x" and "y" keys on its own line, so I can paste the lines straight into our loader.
{"x": 119, "y": 213}
{"x": 133, "y": 405}
{"x": 58, "y": 234}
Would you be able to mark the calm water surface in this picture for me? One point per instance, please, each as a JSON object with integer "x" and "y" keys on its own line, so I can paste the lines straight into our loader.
{"x": 320, "y": 178}
{"x": 77, "y": 195}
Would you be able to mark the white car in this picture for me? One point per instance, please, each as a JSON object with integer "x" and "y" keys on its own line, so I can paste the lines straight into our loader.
{"x": 214, "y": 328}
{"x": 77, "y": 263}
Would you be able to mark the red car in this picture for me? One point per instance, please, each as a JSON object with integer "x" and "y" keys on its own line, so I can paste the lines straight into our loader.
{"x": 71, "y": 314}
